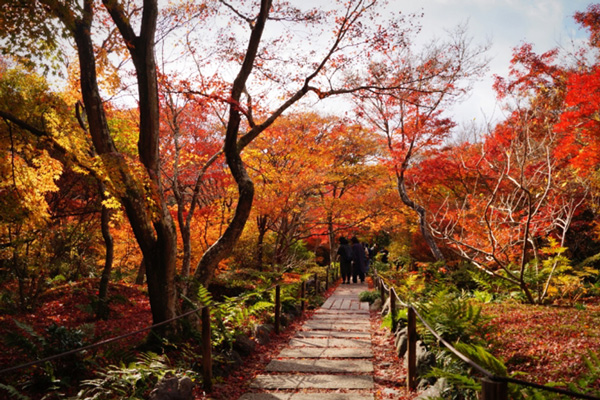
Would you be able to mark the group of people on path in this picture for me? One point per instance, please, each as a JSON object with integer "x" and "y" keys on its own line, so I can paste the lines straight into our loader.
{"x": 354, "y": 260}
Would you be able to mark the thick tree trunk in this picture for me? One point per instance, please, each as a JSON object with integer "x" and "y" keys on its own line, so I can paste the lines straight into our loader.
{"x": 161, "y": 258}
{"x": 152, "y": 224}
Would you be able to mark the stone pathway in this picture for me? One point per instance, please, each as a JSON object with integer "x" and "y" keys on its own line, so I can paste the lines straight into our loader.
{"x": 331, "y": 351}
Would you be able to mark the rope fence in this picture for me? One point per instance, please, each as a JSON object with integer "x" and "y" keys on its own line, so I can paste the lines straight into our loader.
{"x": 205, "y": 313}
{"x": 493, "y": 387}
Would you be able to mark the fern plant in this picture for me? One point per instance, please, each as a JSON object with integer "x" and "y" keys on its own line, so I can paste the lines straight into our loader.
{"x": 591, "y": 377}
{"x": 453, "y": 317}
{"x": 131, "y": 381}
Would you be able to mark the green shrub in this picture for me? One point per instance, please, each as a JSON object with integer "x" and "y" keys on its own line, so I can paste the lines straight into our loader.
{"x": 369, "y": 296}
{"x": 453, "y": 317}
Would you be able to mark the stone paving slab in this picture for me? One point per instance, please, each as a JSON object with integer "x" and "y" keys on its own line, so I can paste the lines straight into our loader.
{"x": 339, "y": 320}
{"x": 306, "y": 396}
{"x": 346, "y": 304}
{"x": 344, "y": 313}
{"x": 347, "y": 322}
{"x": 315, "y": 325}
{"x": 333, "y": 334}
{"x": 317, "y": 352}
{"x": 320, "y": 365}
{"x": 296, "y": 381}
{"x": 328, "y": 342}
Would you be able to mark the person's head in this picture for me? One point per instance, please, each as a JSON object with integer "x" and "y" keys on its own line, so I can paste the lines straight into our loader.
{"x": 354, "y": 239}
{"x": 343, "y": 240}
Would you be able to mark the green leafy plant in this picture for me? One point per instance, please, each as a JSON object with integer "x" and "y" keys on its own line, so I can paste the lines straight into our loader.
{"x": 132, "y": 381}
{"x": 369, "y": 296}
{"x": 13, "y": 392}
{"x": 400, "y": 315}
{"x": 483, "y": 296}
{"x": 592, "y": 376}
{"x": 453, "y": 317}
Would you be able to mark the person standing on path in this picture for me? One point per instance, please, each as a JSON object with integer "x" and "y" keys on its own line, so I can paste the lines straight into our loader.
{"x": 344, "y": 255}
{"x": 359, "y": 261}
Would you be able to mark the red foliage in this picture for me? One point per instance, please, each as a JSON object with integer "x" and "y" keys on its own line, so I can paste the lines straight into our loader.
{"x": 66, "y": 306}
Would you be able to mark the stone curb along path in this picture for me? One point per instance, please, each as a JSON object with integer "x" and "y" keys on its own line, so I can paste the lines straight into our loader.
{"x": 330, "y": 358}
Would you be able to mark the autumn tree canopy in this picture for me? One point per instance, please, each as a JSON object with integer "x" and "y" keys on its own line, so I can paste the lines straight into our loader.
{"x": 179, "y": 128}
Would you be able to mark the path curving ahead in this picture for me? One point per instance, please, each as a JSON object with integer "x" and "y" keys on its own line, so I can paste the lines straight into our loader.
{"x": 329, "y": 358}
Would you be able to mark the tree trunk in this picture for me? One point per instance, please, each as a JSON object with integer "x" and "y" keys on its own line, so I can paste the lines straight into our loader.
{"x": 102, "y": 307}
{"x": 422, "y": 219}
{"x": 261, "y": 222}
{"x": 141, "y": 274}
{"x": 151, "y": 221}
{"x": 223, "y": 246}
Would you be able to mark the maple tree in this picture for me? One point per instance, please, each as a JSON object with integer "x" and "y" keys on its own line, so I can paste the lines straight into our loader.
{"x": 513, "y": 203}
{"x": 130, "y": 31}
{"x": 313, "y": 177}
{"x": 408, "y": 114}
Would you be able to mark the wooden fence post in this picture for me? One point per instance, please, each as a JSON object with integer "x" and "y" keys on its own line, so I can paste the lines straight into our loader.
{"x": 493, "y": 390}
{"x": 316, "y": 284}
{"x": 277, "y": 309}
{"x": 303, "y": 295}
{"x": 393, "y": 309}
{"x": 411, "y": 376}
{"x": 327, "y": 277}
{"x": 207, "y": 373}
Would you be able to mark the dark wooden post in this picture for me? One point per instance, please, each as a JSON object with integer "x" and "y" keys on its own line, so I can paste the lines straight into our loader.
{"x": 493, "y": 390}
{"x": 327, "y": 278}
{"x": 277, "y": 309}
{"x": 316, "y": 284}
{"x": 207, "y": 374}
{"x": 411, "y": 376}
{"x": 382, "y": 291}
{"x": 303, "y": 296}
{"x": 393, "y": 309}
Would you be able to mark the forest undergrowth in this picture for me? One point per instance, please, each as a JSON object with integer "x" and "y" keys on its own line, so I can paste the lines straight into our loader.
{"x": 545, "y": 343}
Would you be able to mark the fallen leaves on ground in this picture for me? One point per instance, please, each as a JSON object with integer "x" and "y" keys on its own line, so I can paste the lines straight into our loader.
{"x": 547, "y": 343}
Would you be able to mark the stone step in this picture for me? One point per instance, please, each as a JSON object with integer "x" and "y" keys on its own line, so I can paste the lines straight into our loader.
{"x": 317, "y": 352}
{"x": 324, "y": 381}
{"x": 320, "y": 365}
{"x": 306, "y": 396}
{"x": 316, "y": 325}
{"x": 328, "y": 342}
{"x": 333, "y": 334}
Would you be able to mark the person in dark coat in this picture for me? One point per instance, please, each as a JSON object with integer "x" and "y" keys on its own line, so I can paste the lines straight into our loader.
{"x": 359, "y": 260}
{"x": 344, "y": 255}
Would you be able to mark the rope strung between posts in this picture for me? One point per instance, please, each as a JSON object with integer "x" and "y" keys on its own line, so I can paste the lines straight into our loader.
{"x": 126, "y": 335}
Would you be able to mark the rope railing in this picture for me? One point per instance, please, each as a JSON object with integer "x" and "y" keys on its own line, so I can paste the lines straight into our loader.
{"x": 206, "y": 333}
{"x": 494, "y": 387}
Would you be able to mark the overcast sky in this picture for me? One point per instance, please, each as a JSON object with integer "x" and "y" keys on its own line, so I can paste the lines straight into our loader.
{"x": 507, "y": 24}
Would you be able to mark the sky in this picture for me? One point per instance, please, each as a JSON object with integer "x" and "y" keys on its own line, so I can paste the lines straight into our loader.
{"x": 546, "y": 24}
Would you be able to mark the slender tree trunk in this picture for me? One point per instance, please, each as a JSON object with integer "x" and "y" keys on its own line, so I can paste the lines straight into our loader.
{"x": 102, "y": 310}
{"x": 424, "y": 227}
{"x": 223, "y": 246}
{"x": 262, "y": 231}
